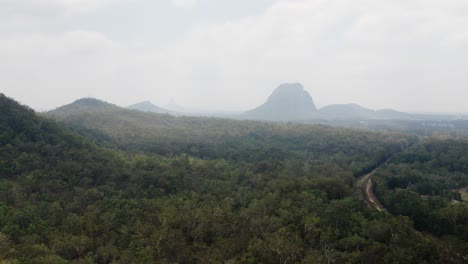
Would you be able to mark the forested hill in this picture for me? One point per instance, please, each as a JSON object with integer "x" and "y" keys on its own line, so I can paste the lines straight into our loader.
{"x": 34, "y": 147}
{"x": 211, "y": 138}
{"x": 65, "y": 200}
{"x": 47, "y": 176}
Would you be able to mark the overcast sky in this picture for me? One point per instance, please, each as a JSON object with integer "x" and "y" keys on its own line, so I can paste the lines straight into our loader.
{"x": 410, "y": 55}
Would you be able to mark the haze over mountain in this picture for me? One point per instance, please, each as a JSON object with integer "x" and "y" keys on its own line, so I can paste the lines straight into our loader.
{"x": 147, "y": 106}
{"x": 346, "y": 111}
{"x": 291, "y": 102}
{"x": 173, "y": 106}
{"x": 393, "y": 114}
{"x": 358, "y": 112}
{"x": 111, "y": 125}
{"x": 84, "y": 104}
{"x": 288, "y": 102}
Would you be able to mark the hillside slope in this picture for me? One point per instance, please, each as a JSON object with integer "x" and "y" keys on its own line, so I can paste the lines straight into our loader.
{"x": 211, "y": 138}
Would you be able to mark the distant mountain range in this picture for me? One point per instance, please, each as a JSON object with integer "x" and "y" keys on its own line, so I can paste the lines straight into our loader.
{"x": 288, "y": 102}
{"x": 291, "y": 102}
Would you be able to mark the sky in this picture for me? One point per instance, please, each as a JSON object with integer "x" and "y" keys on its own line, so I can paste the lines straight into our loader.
{"x": 409, "y": 55}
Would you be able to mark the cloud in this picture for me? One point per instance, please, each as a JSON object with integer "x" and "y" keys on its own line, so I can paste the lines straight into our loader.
{"x": 39, "y": 15}
{"x": 378, "y": 53}
{"x": 55, "y": 45}
{"x": 37, "y": 8}
{"x": 184, "y": 3}
{"x": 61, "y": 68}
{"x": 409, "y": 55}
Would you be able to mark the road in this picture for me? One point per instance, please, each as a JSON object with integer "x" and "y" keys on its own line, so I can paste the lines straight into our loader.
{"x": 366, "y": 186}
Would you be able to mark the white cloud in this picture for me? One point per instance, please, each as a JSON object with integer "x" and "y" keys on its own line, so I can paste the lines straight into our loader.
{"x": 88, "y": 5}
{"x": 378, "y": 53}
{"x": 60, "y": 68}
{"x": 184, "y": 3}
{"x": 39, "y": 15}
{"x": 55, "y": 45}
{"x": 47, "y": 7}
{"x": 409, "y": 55}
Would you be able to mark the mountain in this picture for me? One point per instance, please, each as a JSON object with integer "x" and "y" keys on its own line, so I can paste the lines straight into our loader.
{"x": 84, "y": 104}
{"x": 289, "y": 102}
{"x": 355, "y": 111}
{"x": 147, "y": 106}
{"x": 347, "y": 111}
{"x": 173, "y": 106}
{"x": 102, "y": 120}
{"x": 392, "y": 114}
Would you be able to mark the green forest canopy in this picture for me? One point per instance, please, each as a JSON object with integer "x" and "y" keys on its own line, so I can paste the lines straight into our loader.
{"x": 197, "y": 191}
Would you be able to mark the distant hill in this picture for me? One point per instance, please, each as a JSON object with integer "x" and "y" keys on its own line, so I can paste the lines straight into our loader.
{"x": 203, "y": 137}
{"x": 147, "y": 106}
{"x": 347, "y": 111}
{"x": 84, "y": 104}
{"x": 289, "y": 102}
{"x": 392, "y": 114}
{"x": 105, "y": 118}
{"x": 357, "y": 112}
{"x": 51, "y": 150}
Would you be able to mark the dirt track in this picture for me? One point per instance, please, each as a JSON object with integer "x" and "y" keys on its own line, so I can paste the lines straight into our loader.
{"x": 366, "y": 186}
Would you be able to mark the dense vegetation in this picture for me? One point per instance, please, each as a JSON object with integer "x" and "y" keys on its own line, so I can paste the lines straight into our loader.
{"x": 246, "y": 192}
{"x": 423, "y": 183}
{"x": 434, "y": 127}
{"x": 239, "y": 141}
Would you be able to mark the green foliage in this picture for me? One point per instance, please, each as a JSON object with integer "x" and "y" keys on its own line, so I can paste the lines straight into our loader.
{"x": 239, "y": 141}
{"x": 245, "y": 193}
{"x": 423, "y": 183}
